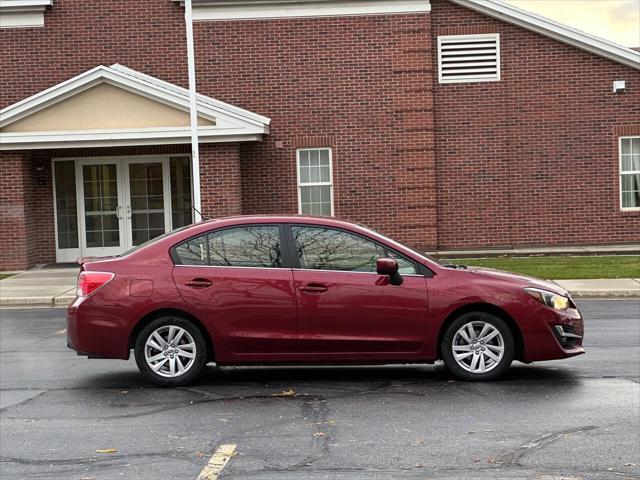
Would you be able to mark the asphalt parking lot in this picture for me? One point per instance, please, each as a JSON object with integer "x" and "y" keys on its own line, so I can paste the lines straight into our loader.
{"x": 570, "y": 419}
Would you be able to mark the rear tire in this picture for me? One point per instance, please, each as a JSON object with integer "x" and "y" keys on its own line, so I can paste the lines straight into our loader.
{"x": 171, "y": 351}
{"x": 478, "y": 346}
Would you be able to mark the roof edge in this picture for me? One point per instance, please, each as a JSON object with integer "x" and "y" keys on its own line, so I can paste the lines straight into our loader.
{"x": 135, "y": 81}
{"x": 558, "y": 31}
{"x": 237, "y": 111}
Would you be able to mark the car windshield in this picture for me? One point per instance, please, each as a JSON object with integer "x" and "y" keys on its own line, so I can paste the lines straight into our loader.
{"x": 153, "y": 240}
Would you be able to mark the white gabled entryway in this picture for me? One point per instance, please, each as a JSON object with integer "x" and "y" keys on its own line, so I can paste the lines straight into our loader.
{"x": 106, "y": 205}
{"x": 51, "y": 118}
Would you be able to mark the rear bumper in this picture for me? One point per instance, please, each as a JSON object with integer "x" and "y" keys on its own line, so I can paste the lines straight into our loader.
{"x": 97, "y": 331}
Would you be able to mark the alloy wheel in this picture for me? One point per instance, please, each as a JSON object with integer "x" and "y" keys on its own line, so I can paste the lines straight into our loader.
{"x": 170, "y": 351}
{"x": 478, "y": 347}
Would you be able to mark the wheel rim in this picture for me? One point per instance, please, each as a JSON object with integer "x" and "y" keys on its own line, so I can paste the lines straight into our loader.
{"x": 170, "y": 351}
{"x": 478, "y": 347}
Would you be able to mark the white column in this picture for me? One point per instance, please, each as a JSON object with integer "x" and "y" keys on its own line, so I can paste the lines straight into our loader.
{"x": 193, "y": 108}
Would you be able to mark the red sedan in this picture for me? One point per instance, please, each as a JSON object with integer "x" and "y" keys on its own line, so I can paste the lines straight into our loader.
{"x": 305, "y": 290}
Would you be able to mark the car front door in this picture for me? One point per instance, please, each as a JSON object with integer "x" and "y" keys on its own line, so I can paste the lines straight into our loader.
{"x": 236, "y": 279}
{"x": 345, "y": 309}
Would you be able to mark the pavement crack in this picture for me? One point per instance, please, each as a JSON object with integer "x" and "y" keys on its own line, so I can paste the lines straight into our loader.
{"x": 23, "y": 402}
{"x": 513, "y": 457}
{"x": 114, "y": 459}
{"x": 317, "y": 411}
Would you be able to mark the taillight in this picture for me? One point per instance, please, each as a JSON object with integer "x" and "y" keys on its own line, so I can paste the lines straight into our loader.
{"x": 89, "y": 282}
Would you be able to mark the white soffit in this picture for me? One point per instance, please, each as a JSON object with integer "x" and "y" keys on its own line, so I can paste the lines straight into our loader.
{"x": 545, "y": 26}
{"x": 23, "y": 13}
{"x": 204, "y": 10}
{"x": 232, "y": 124}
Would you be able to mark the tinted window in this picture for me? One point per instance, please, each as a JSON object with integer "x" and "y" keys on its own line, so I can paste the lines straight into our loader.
{"x": 329, "y": 249}
{"x": 257, "y": 246}
{"x": 405, "y": 266}
{"x": 192, "y": 252}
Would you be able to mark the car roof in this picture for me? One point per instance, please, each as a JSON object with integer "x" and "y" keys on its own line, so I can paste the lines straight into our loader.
{"x": 230, "y": 221}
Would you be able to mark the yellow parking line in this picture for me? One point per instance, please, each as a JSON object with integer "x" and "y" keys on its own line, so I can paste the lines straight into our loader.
{"x": 217, "y": 462}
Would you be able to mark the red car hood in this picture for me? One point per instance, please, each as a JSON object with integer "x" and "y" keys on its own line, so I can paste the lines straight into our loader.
{"x": 516, "y": 277}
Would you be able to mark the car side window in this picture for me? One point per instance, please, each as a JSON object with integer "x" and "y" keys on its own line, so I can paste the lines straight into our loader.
{"x": 405, "y": 266}
{"x": 192, "y": 252}
{"x": 249, "y": 246}
{"x": 321, "y": 248}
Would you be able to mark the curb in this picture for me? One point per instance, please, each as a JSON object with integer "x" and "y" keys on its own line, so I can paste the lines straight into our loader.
{"x": 605, "y": 294}
{"x": 26, "y": 302}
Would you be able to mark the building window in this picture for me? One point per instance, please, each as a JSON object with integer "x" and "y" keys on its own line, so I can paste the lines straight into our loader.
{"x": 469, "y": 58}
{"x": 315, "y": 181}
{"x": 66, "y": 209}
{"x": 630, "y": 173}
{"x": 180, "y": 174}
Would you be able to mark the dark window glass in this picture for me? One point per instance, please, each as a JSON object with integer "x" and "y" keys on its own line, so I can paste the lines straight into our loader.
{"x": 405, "y": 266}
{"x": 328, "y": 249}
{"x": 192, "y": 252}
{"x": 180, "y": 174}
{"x": 66, "y": 210}
{"x": 246, "y": 247}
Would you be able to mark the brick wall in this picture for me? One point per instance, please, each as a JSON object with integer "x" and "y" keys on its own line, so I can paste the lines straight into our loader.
{"x": 360, "y": 85}
{"x": 39, "y": 218}
{"x": 14, "y": 172}
{"x": 532, "y": 159}
{"x": 220, "y": 180}
{"x": 26, "y": 211}
{"x": 528, "y": 160}
{"x": 365, "y": 82}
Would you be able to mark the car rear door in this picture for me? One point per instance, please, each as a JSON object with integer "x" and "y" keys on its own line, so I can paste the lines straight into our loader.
{"x": 345, "y": 309}
{"x": 235, "y": 278}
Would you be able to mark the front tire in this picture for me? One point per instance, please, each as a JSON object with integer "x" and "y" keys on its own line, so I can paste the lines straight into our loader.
{"x": 171, "y": 351}
{"x": 478, "y": 346}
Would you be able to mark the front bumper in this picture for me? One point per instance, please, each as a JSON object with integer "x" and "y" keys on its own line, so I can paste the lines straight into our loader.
{"x": 543, "y": 337}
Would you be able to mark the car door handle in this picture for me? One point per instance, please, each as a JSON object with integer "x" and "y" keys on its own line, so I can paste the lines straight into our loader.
{"x": 314, "y": 288}
{"x": 198, "y": 283}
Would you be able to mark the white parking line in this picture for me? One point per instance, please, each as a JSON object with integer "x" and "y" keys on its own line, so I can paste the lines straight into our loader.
{"x": 217, "y": 462}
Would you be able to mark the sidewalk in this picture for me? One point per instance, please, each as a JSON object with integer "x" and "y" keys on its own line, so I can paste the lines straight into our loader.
{"x": 56, "y": 287}
{"x": 610, "y": 287}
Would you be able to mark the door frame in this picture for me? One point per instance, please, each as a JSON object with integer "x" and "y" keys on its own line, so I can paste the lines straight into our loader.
{"x": 122, "y": 162}
{"x": 126, "y": 184}
{"x": 82, "y": 237}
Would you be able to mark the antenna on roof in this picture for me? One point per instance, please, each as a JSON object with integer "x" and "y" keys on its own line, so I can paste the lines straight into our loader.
{"x": 200, "y": 217}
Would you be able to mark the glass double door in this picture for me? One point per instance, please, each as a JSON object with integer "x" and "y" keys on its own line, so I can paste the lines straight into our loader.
{"x": 122, "y": 203}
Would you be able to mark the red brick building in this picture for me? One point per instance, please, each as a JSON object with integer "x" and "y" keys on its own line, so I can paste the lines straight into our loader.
{"x": 447, "y": 124}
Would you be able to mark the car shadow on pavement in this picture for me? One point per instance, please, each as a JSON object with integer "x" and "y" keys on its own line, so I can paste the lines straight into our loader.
{"x": 265, "y": 376}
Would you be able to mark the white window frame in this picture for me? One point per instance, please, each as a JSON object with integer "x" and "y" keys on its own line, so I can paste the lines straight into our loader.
{"x": 484, "y": 36}
{"x": 314, "y": 184}
{"x": 621, "y": 173}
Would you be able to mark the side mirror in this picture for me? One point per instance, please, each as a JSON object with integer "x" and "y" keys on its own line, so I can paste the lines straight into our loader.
{"x": 389, "y": 266}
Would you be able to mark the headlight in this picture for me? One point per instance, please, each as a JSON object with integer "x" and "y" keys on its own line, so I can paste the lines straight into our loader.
{"x": 550, "y": 299}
